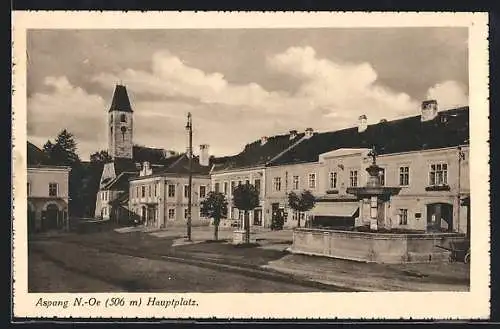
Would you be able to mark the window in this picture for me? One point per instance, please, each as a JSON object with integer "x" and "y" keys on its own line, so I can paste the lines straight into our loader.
{"x": 232, "y": 187}
{"x": 171, "y": 213}
{"x": 123, "y": 118}
{"x": 186, "y": 213}
{"x": 239, "y": 183}
{"x": 203, "y": 191}
{"x": 186, "y": 191}
{"x": 52, "y": 189}
{"x": 149, "y": 190}
{"x": 124, "y": 130}
{"x": 217, "y": 187}
{"x": 225, "y": 188}
{"x": 404, "y": 176}
{"x": 403, "y": 216}
{"x": 438, "y": 174}
{"x": 247, "y": 181}
{"x": 381, "y": 177}
{"x": 333, "y": 180}
{"x": 137, "y": 191}
{"x": 257, "y": 184}
{"x": 29, "y": 189}
{"x": 295, "y": 182}
{"x": 111, "y": 130}
{"x": 143, "y": 191}
{"x": 312, "y": 180}
{"x": 171, "y": 190}
{"x": 277, "y": 184}
{"x": 353, "y": 178}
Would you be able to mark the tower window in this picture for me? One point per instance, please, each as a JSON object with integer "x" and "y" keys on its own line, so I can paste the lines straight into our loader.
{"x": 111, "y": 117}
{"x": 123, "y": 129}
{"x": 111, "y": 129}
{"x": 123, "y": 118}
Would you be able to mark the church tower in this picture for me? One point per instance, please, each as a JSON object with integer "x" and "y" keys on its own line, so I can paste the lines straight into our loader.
{"x": 120, "y": 125}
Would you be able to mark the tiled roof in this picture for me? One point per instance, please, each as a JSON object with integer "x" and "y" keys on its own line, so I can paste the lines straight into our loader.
{"x": 121, "y": 181}
{"x": 122, "y": 164}
{"x": 35, "y": 156}
{"x": 120, "y": 100}
{"x": 181, "y": 167}
{"x": 449, "y": 128}
{"x": 255, "y": 154}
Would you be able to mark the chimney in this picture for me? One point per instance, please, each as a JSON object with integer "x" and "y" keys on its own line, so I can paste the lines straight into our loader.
{"x": 263, "y": 140}
{"x": 204, "y": 155}
{"x": 362, "y": 123}
{"x": 309, "y": 132}
{"x": 293, "y": 134}
{"x": 429, "y": 110}
{"x": 146, "y": 169}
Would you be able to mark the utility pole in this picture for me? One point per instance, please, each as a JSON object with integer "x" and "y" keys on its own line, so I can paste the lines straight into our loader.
{"x": 461, "y": 156}
{"x": 189, "y": 129}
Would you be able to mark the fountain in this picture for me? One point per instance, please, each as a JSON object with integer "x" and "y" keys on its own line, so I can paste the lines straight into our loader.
{"x": 375, "y": 193}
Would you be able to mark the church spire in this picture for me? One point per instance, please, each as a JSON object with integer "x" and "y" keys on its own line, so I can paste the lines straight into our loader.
{"x": 120, "y": 100}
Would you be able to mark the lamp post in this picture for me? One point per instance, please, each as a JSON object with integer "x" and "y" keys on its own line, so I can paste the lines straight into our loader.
{"x": 189, "y": 129}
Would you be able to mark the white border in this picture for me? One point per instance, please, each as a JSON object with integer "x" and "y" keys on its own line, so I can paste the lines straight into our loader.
{"x": 394, "y": 305}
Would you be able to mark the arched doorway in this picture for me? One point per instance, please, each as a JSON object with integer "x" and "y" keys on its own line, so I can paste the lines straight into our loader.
{"x": 439, "y": 217}
{"x": 31, "y": 218}
{"x": 51, "y": 218}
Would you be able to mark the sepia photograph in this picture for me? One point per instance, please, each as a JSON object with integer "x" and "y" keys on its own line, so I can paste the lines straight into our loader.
{"x": 297, "y": 159}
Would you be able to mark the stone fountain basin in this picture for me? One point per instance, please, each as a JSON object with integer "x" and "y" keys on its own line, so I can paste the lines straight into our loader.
{"x": 389, "y": 248}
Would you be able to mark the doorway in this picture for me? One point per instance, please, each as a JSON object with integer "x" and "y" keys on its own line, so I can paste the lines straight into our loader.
{"x": 439, "y": 217}
{"x": 50, "y": 218}
{"x": 257, "y": 217}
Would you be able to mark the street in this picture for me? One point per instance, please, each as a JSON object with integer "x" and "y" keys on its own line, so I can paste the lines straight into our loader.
{"x": 68, "y": 264}
{"x": 137, "y": 260}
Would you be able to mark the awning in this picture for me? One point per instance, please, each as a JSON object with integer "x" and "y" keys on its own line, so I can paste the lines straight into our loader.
{"x": 335, "y": 209}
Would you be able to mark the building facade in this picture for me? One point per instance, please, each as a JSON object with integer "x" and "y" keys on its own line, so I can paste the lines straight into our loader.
{"x": 160, "y": 199}
{"x": 249, "y": 166}
{"x": 48, "y": 198}
{"x": 424, "y": 158}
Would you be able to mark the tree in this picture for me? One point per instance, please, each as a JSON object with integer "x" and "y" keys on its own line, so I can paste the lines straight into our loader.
{"x": 63, "y": 152}
{"x": 301, "y": 202}
{"x": 246, "y": 198}
{"x": 214, "y": 206}
{"x": 100, "y": 157}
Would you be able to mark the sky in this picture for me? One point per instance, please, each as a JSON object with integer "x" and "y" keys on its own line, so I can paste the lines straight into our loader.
{"x": 239, "y": 84}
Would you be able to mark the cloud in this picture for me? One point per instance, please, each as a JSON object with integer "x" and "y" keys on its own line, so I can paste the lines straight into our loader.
{"x": 347, "y": 88}
{"x": 65, "y": 106}
{"x": 449, "y": 94}
{"x": 329, "y": 95}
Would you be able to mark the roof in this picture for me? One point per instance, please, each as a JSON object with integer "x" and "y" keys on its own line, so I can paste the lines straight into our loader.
{"x": 120, "y": 100}
{"x": 179, "y": 166}
{"x": 120, "y": 182}
{"x": 35, "y": 156}
{"x": 449, "y": 128}
{"x": 255, "y": 154}
{"x": 123, "y": 164}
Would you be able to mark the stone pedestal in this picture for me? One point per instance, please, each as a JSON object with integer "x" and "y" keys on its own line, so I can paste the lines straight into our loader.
{"x": 239, "y": 237}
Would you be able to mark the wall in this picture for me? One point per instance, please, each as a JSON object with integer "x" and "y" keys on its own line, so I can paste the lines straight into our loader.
{"x": 236, "y": 176}
{"x": 412, "y": 197}
{"x": 373, "y": 247}
{"x": 164, "y": 202}
{"x": 38, "y": 194}
{"x": 286, "y": 174}
{"x": 40, "y": 178}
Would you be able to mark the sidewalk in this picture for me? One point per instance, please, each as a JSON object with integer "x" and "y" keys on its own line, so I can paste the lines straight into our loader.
{"x": 375, "y": 277}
